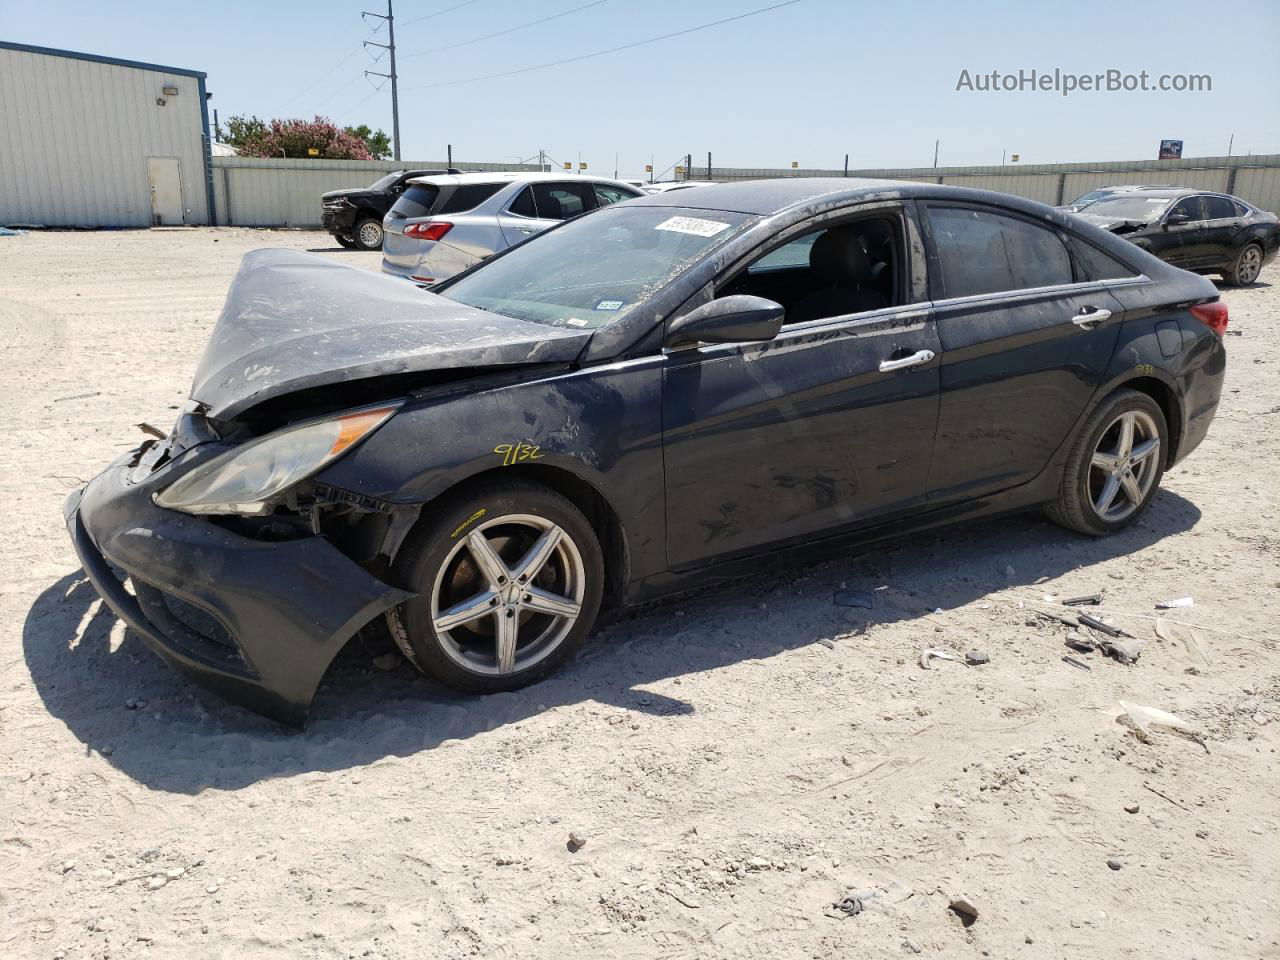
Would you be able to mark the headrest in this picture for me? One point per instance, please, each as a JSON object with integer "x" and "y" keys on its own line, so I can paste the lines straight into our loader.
{"x": 838, "y": 258}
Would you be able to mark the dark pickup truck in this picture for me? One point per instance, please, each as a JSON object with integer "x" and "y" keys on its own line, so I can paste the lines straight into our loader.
{"x": 354, "y": 216}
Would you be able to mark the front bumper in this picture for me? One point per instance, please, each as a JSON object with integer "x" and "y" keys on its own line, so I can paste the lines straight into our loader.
{"x": 339, "y": 220}
{"x": 257, "y": 622}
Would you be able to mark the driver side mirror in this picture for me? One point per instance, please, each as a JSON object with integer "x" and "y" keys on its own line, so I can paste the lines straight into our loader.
{"x": 1175, "y": 219}
{"x": 736, "y": 319}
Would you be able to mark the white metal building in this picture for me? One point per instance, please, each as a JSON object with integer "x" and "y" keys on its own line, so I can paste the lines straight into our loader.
{"x": 94, "y": 141}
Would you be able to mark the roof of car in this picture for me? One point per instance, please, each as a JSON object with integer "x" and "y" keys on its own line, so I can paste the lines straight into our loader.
{"x": 765, "y": 197}
{"x": 511, "y": 176}
{"x": 1161, "y": 193}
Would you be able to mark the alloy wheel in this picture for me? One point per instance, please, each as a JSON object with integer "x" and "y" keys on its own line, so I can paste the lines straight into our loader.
{"x": 1250, "y": 265}
{"x": 508, "y": 594}
{"x": 1124, "y": 465}
{"x": 371, "y": 234}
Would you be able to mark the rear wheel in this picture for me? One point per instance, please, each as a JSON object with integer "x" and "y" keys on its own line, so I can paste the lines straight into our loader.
{"x": 346, "y": 242}
{"x": 1247, "y": 266}
{"x": 369, "y": 234}
{"x": 509, "y": 581}
{"x": 1114, "y": 467}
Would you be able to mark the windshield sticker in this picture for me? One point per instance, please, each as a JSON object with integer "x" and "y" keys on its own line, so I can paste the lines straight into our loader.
{"x": 575, "y": 322}
{"x": 692, "y": 225}
{"x": 609, "y": 305}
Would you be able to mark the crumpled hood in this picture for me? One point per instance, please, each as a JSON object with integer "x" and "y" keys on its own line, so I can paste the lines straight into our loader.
{"x": 294, "y": 320}
{"x": 1108, "y": 223}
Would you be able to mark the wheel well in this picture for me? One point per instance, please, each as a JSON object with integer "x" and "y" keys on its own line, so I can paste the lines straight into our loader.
{"x": 598, "y": 511}
{"x": 1161, "y": 393}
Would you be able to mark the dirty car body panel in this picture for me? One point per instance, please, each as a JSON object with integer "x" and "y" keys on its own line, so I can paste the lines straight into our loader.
{"x": 925, "y": 404}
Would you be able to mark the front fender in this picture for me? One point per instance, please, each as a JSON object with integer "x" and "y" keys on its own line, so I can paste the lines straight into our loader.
{"x": 601, "y": 424}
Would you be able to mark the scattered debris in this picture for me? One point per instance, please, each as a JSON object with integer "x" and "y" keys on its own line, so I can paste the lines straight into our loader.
{"x": 1077, "y": 663}
{"x": 386, "y": 661}
{"x": 965, "y": 910}
{"x": 850, "y": 906}
{"x": 1114, "y": 864}
{"x": 853, "y": 598}
{"x": 1088, "y": 621}
{"x": 938, "y": 655}
{"x": 1126, "y": 651}
{"x": 976, "y": 658}
{"x": 1083, "y": 644}
{"x": 1141, "y": 719}
{"x": 682, "y": 898}
{"x": 6, "y": 232}
{"x": 1171, "y": 604}
{"x": 1093, "y": 600}
{"x": 1131, "y": 808}
{"x": 1165, "y": 796}
{"x": 576, "y": 842}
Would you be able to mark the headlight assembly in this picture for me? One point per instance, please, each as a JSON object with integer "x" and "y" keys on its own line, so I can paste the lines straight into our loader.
{"x": 244, "y": 480}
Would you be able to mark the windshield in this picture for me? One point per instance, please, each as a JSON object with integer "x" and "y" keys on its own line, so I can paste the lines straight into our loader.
{"x": 598, "y": 268}
{"x": 1130, "y": 208}
{"x": 382, "y": 183}
{"x": 1089, "y": 198}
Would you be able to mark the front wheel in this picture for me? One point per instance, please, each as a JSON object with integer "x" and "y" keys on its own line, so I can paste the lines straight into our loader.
{"x": 369, "y": 234}
{"x": 509, "y": 580}
{"x": 1247, "y": 266}
{"x": 1114, "y": 467}
{"x": 345, "y": 242}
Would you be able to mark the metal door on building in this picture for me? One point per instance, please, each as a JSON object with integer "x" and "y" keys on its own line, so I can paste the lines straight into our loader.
{"x": 164, "y": 175}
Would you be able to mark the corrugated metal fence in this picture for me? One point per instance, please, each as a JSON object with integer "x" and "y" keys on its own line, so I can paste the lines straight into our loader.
{"x": 1256, "y": 179}
{"x": 251, "y": 192}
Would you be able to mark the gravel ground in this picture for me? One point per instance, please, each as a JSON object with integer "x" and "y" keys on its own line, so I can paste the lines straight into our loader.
{"x": 737, "y": 763}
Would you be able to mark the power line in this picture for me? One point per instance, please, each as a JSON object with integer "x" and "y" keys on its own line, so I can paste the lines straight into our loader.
{"x": 601, "y": 53}
{"x": 456, "y": 6}
{"x": 502, "y": 33}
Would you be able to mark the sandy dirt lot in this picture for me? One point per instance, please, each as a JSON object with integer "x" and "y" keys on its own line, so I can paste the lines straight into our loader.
{"x": 738, "y": 762}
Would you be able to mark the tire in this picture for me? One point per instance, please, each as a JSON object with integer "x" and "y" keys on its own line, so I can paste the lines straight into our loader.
{"x": 368, "y": 234}
{"x": 1086, "y": 478}
{"x": 441, "y": 564}
{"x": 346, "y": 242}
{"x": 1246, "y": 267}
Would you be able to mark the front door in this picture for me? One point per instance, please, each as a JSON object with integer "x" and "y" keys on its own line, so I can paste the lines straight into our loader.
{"x": 1180, "y": 244}
{"x": 164, "y": 177}
{"x": 1025, "y": 342}
{"x": 827, "y": 427}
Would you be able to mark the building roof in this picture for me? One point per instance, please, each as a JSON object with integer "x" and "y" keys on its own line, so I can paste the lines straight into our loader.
{"x": 98, "y": 58}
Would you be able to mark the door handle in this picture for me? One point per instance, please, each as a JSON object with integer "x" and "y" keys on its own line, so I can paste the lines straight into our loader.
{"x": 1090, "y": 317}
{"x": 917, "y": 358}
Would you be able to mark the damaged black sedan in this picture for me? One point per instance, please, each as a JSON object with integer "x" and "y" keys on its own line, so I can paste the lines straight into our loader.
{"x": 652, "y": 396}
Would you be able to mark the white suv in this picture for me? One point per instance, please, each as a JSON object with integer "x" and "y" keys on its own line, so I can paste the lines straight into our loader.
{"x": 442, "y": 225}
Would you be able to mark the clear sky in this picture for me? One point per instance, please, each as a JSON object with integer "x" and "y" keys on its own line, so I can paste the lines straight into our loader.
{"x": 807, "y": 82}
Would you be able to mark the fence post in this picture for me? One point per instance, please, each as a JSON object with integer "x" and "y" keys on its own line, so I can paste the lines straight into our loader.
{"x": 1062, "y": 186}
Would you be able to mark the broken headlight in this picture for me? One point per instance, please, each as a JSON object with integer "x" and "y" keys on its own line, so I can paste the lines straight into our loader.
{"x": 246, "y": 479}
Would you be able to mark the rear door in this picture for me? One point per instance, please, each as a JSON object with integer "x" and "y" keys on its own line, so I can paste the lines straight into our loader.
{"x": 1026, "y": 336}
{"x": 1222, "y": 226}
{"x": 543, "y": 204}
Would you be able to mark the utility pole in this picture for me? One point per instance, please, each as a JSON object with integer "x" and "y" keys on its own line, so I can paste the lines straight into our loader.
{"x": 1230, "y": 143}
{"x": 846, "y": 164}
{"x": 688, "y": 166}
{"x": 935, "y": 153}
{"x": 390, "y": 45}
{"x": 708, "y": 164}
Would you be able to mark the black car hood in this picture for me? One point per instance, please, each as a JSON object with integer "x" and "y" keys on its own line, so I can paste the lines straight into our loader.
{"x": 355, "y": 192}
{"x": 294, "y": 320}
{"x": 1110, "y": 223}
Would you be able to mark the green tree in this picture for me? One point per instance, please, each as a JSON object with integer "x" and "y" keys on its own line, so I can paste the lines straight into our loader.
{"x": 377, "y": 142}
{"x": 242, "y": 132}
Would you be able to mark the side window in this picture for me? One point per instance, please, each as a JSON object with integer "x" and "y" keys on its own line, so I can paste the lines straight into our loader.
{"x": 468, "y": 197}
{"x": 416, "y": 201}
{"x": 607, "y": 194}
{"x": 523, "y": 205}
{"x": 1098, "y": 265}
{"x": 560, "y": 201}
{"x": 837, "y": 271}
{"x": 1219, "y": 208}
{"x": 1240, "y": 209}
{"x": 1189, "y": 207}
{"x": 984, "y": 252}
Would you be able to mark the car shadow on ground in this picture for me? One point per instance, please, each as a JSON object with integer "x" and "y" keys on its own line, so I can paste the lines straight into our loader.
{"x": 89, "y": 670}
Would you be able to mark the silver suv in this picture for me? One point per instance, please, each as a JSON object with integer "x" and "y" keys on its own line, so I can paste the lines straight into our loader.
{"x": 443, "y": 224}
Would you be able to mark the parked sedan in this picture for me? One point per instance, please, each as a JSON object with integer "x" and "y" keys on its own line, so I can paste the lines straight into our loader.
{"x": 443, "y": 225}
{"x": 1203, "y": 232}
{"x": 665, "y": 393}
{"x": 1101, "y": 193}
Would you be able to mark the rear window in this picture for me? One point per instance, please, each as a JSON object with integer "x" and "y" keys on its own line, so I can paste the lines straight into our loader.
{"x": 469, "y": 196}
{"x": 416, "y": 201}
{"x": 1219, "y": 208}
{"x": 1098, "y": 265}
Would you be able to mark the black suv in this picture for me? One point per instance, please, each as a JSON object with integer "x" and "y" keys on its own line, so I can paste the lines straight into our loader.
{"x": 354, "y": 216}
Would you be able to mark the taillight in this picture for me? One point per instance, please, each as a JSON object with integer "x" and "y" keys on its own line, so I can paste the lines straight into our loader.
{"x": 1212, "y": 315}
{"x": 428, "y": 231}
